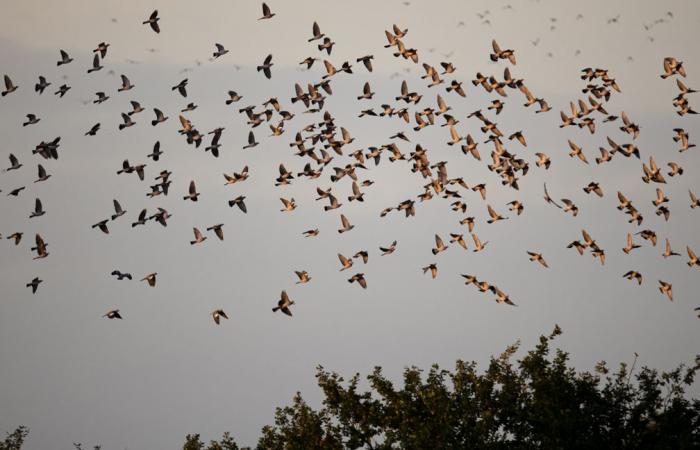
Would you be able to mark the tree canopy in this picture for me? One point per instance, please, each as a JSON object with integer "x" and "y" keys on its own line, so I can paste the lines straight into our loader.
{"x": 538, "y": 401}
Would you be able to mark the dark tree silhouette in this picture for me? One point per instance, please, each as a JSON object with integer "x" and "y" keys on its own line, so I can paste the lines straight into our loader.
{"x": 537, "y": 402}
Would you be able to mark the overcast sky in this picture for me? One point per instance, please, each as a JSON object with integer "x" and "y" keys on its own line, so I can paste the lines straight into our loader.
{"x": 166, "y": 370}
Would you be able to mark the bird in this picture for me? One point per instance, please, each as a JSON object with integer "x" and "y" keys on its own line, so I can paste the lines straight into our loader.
{"x": 153, "y": 21}
{"x": 65, "y": 59}
{"x": 289, "y": 205}
{"x": 220, "y": 51}
{"x": 360, "y": 279}
{"x": 217, "y": 314}
{"x": 102, "y": 225}
{"x": 239, "y": 201}
{"x": 43, "y": 176}
{"x": 102, "y": 49}
{"x": 311, "y": 233}
{"x": 433, "y": 270}
{"x": 95, "y": 64}
{"x": 126, "y": 84}
{"x": 34, "y": 284}
{"x": 345, "y": 262}
{"x": 38, "y": 209}
{"x": 265, "y": 67}
{"x": 127, "y": 122}
{"x": 303, "y": 276}
{"x": 120, "y": 275}
{"x": 537, "y": 257}
{"x": 218, "y": 230}
{"x": 251, "y": 141}
{"x": 31, "y": 120}
{"x": 198, "y": 237}
{"x": 666, "y": 288}
{"x": 40, "y": 247}
{"x": 41, "y": 85}
{"x": 160, "y": 117}
{"x": 283, "y": 304}
{"x": 345, "y": 224}
{"x": 267, "y": 14}
{"x": 693, "y": 261}
{"x": 192, "y": 193}
{"x": 630, "y": 244}
{"x": 14, "y": 163}
{"x": 113, "y": 314}
{"x": 9, "y": 86}
{"x": 439, "y": 245}
{"x": 389, "y": 249}
{"x": 633, "y": 275}
{"x": 495, "y": 217}
{"x": 150, "y": 279}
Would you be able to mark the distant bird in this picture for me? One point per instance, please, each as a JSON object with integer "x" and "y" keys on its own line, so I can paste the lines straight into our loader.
{"x": 160, "y": 117}
{"x": 31, "y": 120}
{"x": 41, "y": 85}
{"x": 303, "y": 276}
{"x": 113, "y": 314}
{"x": 238, "y": 201}
{"x": 153, "y": 21}
{"x": 120, "y": 276}
{"x": 360, "y": 279}
{"x": 65, "y": 59}
{"x": 267, "y": 14}
{"x": 666, "y": 288}
{"x": 283, "y": 304}
{"x": 9, "y": 87}
{"x": 126, "y": 84}
{"x": 102, "y": 49}
{"x": 218, "y": 230}
{"x": 42, "y": 175}
{"x": 220, "y": 51}
{"x": 346, "y": 226}
{"x": 217, "y": 314}
{"x": 34, "y": 284}
{"x": 102, "y": 225}
{"x": 537, "y": 257}
{"x": 192, "y": 193}
{"x": 265, "y": 67}
{"x": 633, "y": 275}
{"x": 95, "y": 64}
{"x": 38, "y": 209}
{"x": 150, "y": 279}
{"x": 388, "y": 250}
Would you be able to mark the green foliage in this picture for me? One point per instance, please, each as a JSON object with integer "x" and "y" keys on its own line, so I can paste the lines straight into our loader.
{"x": 537, "y": 402}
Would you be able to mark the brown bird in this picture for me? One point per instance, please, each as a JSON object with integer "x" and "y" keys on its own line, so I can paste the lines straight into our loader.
{"x": 283, "y": 304}
{"x": 666, "y": 288}
{"x": 360, "y": 279}
{"x": 388, "y": 250}
{"x": 537, "y": 257}
{"x": 217, "y": 314}
{"x": 198, "y": 237}
{"x": 150, "y": 279}
{"x": 433, "y": 270}
{"x": 439, "y": 245}
{"x": 633, "y": 275}
{"x": 303, "y": 276}
{"x": 345, "y": 224}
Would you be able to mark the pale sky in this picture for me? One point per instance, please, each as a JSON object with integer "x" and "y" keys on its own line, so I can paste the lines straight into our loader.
{"x": 166, "y": 370}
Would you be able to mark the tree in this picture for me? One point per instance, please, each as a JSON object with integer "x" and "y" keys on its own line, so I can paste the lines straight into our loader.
{"x": 536, "y": 402}
{"x": 15, "y": 440}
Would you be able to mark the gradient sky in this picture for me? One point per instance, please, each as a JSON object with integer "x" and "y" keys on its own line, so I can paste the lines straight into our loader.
{"x": 166, "y": 370}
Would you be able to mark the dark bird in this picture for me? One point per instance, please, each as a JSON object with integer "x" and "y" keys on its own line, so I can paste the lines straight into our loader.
{"x": 153, "y": 21}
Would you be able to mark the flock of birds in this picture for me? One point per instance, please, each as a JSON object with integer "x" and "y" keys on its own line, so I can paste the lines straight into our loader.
{"x": 323, "y": 142}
